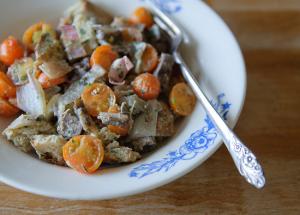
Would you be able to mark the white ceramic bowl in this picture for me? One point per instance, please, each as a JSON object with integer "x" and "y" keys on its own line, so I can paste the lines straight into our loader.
{"x": 210, "y": 50}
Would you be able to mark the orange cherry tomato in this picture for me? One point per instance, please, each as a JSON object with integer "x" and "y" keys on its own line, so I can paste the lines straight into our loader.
{"x": 11, "y": 50}
{"x": 98, "y": 98}
{"x": 46, "y": 82}
{"x": 142, "y": 16}
{"x": 7, "y": 88}
{"x": 120, "y": 130}
{"x": 7, "y": 109}
{"x": 84, "y": 153}
{"x": 103, "y": 56}
{"x": 146, "y": 86}
{"x": 182, "y": 99}
{"x": 149, "y": 59}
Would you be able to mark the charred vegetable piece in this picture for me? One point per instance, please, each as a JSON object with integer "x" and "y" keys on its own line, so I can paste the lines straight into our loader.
{"x": 84, "y": 153}
{"x": 48, "y": 49}
{"x": 50, "y": 58}
{"x": 49, "y": 148}
{"x": 18, "y": 71}
{"x": 103, "y": 56}
{"x": 142, "y": 16}
{"x": 69, "y": 124}
{"x": 33, "y": 34}
{"x": 7, "y": 109}
{"x": 164, "y": 71}
{"x": 11, "y": 50}
{"x": 98, "y": 98}
{"x": 182, "y": 99}
{"x": 146, "y": 86}
{"x": 119, "y": 69}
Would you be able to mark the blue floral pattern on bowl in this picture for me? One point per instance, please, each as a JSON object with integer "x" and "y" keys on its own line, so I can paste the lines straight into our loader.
{"x": 167, "y": 6}
{"x": 198, "y": 143}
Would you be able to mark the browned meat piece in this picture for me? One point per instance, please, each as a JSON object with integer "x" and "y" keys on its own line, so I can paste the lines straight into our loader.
{"x": 116, "y": 119}
{"x": 23, "y": 128}
{"x": 165, "y": 122}
{"x": 143, "y": 143}
{"x": 164, "y": 72}
{"x": 115, "y": 153}
{"x": 49, "y": 148}
{"x": 145, "y": 124}
{"x": 88, "y": 124}
{"x": 79, "y": 70}
{"x": 69, "y": 125}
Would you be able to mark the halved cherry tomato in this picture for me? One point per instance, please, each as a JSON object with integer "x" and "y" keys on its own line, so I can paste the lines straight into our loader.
{"x": 84, "y": 153}
{"x": 7, "y": 88}
{"x": 146, "y": 86}
{"x": 98, "y": 98}
{"x": 11, "y": 50}
{"x": 7, "y": 109}
{"x": 120, "y": 130}
{"x": 46, "y": 82}
{"x": 34, "y": 33}
{"x": 103, "y": 56}
{"x": 182, "y": 99}
{"x": 142, "y": 16}
{"x": 149, "y": 59}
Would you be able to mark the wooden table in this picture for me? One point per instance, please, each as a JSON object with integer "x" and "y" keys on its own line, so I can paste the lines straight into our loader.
{"x": 269, "y": 33}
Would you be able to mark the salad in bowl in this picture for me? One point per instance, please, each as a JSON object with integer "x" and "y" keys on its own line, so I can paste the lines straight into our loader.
{"x": 93, "y": 90}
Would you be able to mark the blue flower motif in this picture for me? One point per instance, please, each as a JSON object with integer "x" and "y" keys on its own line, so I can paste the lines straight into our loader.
{"x": 167, "y": 6}
{"x": 198, "y": 142}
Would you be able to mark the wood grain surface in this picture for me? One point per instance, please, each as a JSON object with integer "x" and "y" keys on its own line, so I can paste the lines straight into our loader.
{"x": 269, "y": 34}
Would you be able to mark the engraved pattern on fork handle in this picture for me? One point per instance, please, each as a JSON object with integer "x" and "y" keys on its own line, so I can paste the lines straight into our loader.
{"x": 246, "y": 162}
{"x": 244, "y": 159}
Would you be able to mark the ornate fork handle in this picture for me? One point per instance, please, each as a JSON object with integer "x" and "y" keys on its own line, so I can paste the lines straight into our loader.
{"x": 246, "y": 162}
{"x": 243, "y": 158}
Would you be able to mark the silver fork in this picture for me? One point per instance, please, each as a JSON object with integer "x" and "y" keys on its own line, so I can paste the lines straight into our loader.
{"x": 243, "y": 158}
